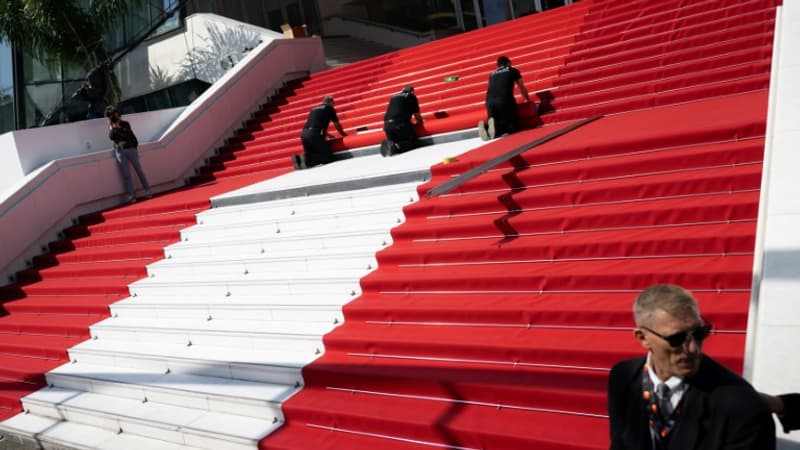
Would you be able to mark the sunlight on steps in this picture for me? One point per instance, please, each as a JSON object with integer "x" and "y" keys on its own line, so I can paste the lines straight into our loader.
{"x": 372, "y": 316}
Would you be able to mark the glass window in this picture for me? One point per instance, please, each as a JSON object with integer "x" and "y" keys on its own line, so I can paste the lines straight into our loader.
{"x": 312, "y": 18}
{"x": 206, "y": 6}
{"x": 38, "y": 72}
{"x": 255, "y": 13}
{"x": 6, "y": 88}
{"x": 550, "y": 4}
{"x": 40, "y": 100}
{"x": 275, "y": 18}
{"x": 293, "y": 13}
{"x": 173, "y": 22}
{"x": 233, "y": 9}
{"x": 524, "y": 7}
{"x": 495, "y": 11}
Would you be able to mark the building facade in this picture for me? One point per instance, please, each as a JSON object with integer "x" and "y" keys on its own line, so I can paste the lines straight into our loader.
{"x": 33, "y": 93}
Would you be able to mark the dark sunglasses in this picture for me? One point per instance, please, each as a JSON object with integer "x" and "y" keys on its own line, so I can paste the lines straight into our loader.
{"x": 699, "y": 334}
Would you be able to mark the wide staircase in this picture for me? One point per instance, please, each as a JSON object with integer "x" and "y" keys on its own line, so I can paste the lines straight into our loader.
{"x": 491, "y": 315}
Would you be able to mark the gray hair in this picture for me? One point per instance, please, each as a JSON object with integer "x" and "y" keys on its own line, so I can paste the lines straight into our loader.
{"x": 327, "y": 100}
{"x": 674, "y": 300}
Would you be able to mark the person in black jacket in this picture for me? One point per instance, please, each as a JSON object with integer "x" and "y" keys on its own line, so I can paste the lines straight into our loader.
{"x": 400, "y": 134}
{"x": 675, "y": 397}
{"x": 501, "y": 107}
{"x": 316, "y": 150}
{"x": 787, "y": 408}
{"x": 126, "y": 152}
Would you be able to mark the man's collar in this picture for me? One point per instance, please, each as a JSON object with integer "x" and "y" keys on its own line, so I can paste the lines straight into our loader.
{"x": 673, "y": 382}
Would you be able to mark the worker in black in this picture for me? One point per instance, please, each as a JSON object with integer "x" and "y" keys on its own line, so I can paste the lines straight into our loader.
{"x": 400, "y": 134}
{"x": 501, "y": 107}
{"x": 316, "y": 150}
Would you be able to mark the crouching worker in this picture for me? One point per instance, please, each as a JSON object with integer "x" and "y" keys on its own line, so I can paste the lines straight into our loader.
{"x": 125, "y": 152}
{"x": 501, "y": 107}
{"x": 400, "y": 134}
{"x": 316, "y": 149}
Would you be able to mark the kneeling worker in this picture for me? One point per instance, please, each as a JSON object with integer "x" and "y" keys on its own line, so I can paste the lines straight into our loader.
{"x": 501, "y": 107}
{"x": 316, "y": 150}
{"x": 400, "y": 134}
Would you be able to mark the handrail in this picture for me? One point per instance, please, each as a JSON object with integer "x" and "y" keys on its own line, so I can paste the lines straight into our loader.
{"x": 449, "y": 185}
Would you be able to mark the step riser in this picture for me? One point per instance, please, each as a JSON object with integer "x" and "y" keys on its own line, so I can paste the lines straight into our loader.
{"x": 261, "y": 410}
{"x": 281, "y": 246}
{"x": 255, "y": 269}
{"x": 201, "y": 338}
{"x": 289, "y": 376}
{"x": 222, "y": 311}
{"x": 310, "y": 209}
{"x": 112, "y": 423}
{"x": 267, "y": 230}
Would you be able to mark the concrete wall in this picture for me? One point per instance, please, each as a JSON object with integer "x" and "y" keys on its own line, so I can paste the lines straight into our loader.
{"x": 40, "y": 201}
{"x": 206, "y": 47}
{"x": 772, "y": 361}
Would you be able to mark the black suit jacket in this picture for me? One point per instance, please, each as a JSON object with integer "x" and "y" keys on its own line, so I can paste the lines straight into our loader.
{"x": 721, "y": 411}
{"x": 791, "y": 406}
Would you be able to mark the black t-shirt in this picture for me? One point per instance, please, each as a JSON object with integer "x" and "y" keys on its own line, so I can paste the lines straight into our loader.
{"x": 320, "y": 117}
{"x": 123, "y": 136}
{"x": 401, "y": 107}
{"x": 501, "y": 85}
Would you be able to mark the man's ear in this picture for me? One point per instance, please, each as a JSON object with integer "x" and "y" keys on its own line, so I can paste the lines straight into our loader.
{"x": 641, "y": 336}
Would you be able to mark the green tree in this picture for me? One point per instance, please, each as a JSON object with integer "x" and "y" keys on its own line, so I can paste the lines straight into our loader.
{"x": 66, "y": 31}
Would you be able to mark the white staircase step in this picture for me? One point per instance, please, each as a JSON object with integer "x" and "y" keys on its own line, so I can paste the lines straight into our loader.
{"x": 300, "y": 283}
{"x": 32, "y": 431}
{"x": 263, "y": 299}
{"x": 326, "y": 273}
{"x": 223, "y": 333}
{"x": 253, "y": 308}
{"x": 356, "y": 251}
{"x": 283, "y": 243}
{"x": 266, "y": 229}
{"x": 253, "y": 265}
{"x": 377, "y": 197}
{"x": 211, "y": 325}
{"x": 175, "y": 424}
{"x": 276, "y": 364}
{"x": 223, "y": 395}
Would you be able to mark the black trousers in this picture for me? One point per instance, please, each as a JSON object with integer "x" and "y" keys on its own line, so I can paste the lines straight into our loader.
{"x": 402, "y": 133}
{"x": 506, "y": 117}
{"x": 316, "y": 148}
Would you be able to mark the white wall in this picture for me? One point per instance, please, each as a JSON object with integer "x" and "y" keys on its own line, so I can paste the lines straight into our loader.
{"x": 772, "y": 360}
{"x": 23, "y": 151}
{"x": 203, "y": 49}
{"x": 10, "y": 166}
{"x": 38, "y": 203}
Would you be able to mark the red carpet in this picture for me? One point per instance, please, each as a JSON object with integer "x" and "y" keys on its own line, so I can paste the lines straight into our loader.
{"x": 492, "y": 320}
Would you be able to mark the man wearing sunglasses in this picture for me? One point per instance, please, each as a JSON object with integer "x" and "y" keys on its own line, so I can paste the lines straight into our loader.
{"x": 675, "y": 397}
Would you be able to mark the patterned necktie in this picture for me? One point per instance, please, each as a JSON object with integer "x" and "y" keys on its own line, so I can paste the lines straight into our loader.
{"x": 664, "y": 394}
